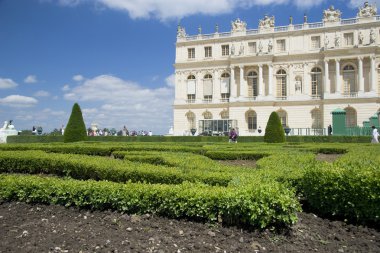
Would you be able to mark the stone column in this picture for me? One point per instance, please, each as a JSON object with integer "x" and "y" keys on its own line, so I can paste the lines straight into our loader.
{"x": 360, "y": 75}
{"x": 233, "y": 83}
{"x": 337, "y": 77}
{"x": 260, "y": 81}
{"x": 243, "y": 84}
{"x": 373, "y": 73}
{"x": 270, "y": 80}
{"x": 327, "y": 83}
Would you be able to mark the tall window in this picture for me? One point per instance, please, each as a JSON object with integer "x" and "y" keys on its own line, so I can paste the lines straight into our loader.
{"x": 252, "y": 120}
{"x": 315, "y": 42}
{"x": 191, "y": 88}
{"x": 208, "y": 52}
{"x": 190, "y": 120}
{"x": 350, "y": 117}
{"x": 191, "y": 53}
{"x": 225, "y": 50}
{"x": 252, "y": 47}
{"x": 281, "y": 84}
{"x": 349, "y": 80}
{"x": 348, "y": 39}
{"x": 225, "y": 87}
{"x": 281, "y": 45}
{"x": 316, "y": 119}
{"x": 252, "y": 84}
{"x": 316, "y": 82}
{"x": 207, "y": 88}
{"x": 283, "y": 115}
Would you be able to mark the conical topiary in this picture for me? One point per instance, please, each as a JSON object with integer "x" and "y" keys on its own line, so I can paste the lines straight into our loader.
{"x": 75, "y": 128}
{"x": 274, "y": 132}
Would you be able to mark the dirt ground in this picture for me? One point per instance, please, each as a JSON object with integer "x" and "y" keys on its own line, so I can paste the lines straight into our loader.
{"x": 41, "y": 228}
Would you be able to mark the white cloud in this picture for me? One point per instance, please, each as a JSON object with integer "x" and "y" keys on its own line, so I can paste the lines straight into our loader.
{"x": 78, "y": 78}
{"x": 174, "y": 9}
{"x": 360, "y": 3}
{"x": 41, "y": 93}
{"x": 170, "y": 81}
{"x": 30, "y": 79}
{"x": 18, "y": 101}
{"x": 66, "y": 87}
{"x": 6, "y": 83}
{"x": 113, "y": 102}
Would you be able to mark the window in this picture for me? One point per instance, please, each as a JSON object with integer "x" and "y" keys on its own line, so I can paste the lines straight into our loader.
{"x": 349, "y": 81}
{"x": 208, "y": 52}
{"x": 315, "y": 42}
{"x": 225, "y": 50}
{"x": 207, "y": 88}
{"x": 225, "y": 87}
{"x": 191, "y": 53}
{"x": 252, "y": 84}
{"x": 252, "y": 120}
{"x": 283, "y": 117}
{"x": 191, "y": 88}
{"x": 316, "y": 82}
{"x": 281, "y": 46}
{"x": 316, "y": 119}
{"x": 281, "y": 84}
{"x": 349, "y": 39}
{"x": 252, "y": 47}
{"x": 350, "y": 117}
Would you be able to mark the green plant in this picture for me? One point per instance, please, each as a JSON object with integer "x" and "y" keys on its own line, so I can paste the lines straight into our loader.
{"x": 274, "y": 132}
{"x": 76, "y": 129}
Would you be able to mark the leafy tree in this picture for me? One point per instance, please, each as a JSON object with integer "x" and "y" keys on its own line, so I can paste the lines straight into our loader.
{"x": 274, "y": 132}
{"x": 75, "y": 128}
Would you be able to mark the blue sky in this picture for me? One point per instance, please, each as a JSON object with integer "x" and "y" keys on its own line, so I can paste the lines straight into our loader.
{"x": 114, "y": 57}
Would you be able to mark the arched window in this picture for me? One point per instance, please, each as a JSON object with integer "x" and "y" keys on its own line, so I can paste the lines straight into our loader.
{"x": 349, "y": 80}
{"x": 316, "y": 119}
{"x": 224, "y": 114}
{"x": 251, "y": 117}
{"x": 191, "y": 88}
{"x": 207, "y": 88}
{"x": 283, "y": 115}
{"x": 207, "y": 115}
{"x": 252, "y": 84}
{"x": 281, "y": 84}
{"x": 316, "y": 82}
{"x": 190, "y": 119}
{"x": 350, "y": 117}
{"x": 225, "y": 87}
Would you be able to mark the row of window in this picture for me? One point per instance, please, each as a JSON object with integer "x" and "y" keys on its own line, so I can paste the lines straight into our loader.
{"x": 253, "y": 47}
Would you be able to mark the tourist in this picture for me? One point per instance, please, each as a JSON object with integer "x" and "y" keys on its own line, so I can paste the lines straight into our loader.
{"x": 375, "y": 135}
{"x": 233, "y": 136}
{"x": 329, "y": 130}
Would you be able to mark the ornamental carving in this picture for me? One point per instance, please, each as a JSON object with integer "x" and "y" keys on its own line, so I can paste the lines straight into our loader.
{"x": 368, "y": 10}
{"x": 372, "y": 37}
{"x": 266, "y": 22}
{"x": 238, "y": 26}
{"x": 331, "y": 15}
{"x": 181, "y": 32}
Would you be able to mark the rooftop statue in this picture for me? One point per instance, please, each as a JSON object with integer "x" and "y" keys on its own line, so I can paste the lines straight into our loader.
{"x": 181, "y": 32}
{"x": 368, "y": 10}
{"x": 238, "y": 26}
{"x": 331, "y": 15}
{"x": 266, "y": 22}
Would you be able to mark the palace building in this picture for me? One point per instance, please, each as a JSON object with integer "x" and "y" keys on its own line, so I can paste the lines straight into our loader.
{"x": 303, "y": 72}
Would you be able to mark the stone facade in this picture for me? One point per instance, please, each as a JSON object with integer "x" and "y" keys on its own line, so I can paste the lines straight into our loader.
{"x": 302, "y": 71}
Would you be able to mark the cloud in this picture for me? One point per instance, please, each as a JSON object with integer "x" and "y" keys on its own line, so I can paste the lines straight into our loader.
{"x": 114, "y": 102}
{"x": 30, "y": 79}
{"x": 170, "y": 81}
{"x": 42, "y": 93}
{"x": 78, "y": 78}
{"x": 359, "y": 3}
{"x": 6, "y": 83}
{"x": 66, "y": 87}
{"x": 18, "y": 101}
{"x": 175, "y": 9}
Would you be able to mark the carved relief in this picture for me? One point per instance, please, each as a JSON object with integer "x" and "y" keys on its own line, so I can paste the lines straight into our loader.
{"x": 331, "y": 15}
{"x": 327, "y": 41}
{"x": 360, "y": 38}
{"x": 266, "y": 22}
{"x": 372, "y": 36}
{"x": 260, "y": 47}
{"x": 238, "y": 26}
{"x": 337, "y": 40}
{"x": 270, "y": 46}
{"x": 368, "y": 10}
{"x": 241, "y": 50}
{"x": 298, "y": 85}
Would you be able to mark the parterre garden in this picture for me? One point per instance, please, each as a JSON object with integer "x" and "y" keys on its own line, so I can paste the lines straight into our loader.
{"x": 185, "y": 180}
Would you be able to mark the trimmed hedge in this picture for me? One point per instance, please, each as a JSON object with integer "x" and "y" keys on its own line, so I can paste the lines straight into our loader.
{"x": 274, "y": 132}
{"x": 75, "y": 129}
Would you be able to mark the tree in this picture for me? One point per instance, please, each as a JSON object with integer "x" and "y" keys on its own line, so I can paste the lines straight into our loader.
{"x": 274, "y": 132}
{"x": 75, "y": 128}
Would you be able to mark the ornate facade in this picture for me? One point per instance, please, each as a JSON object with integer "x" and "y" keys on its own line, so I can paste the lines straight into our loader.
{"x": 304, "y": 72}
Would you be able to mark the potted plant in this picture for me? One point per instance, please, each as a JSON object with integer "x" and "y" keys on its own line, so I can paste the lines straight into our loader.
{"x": 193, "y": 130}
{"x": 287, "y": 130}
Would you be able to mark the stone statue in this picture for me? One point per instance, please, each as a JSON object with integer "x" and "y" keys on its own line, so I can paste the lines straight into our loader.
{"x": 181, "y": 32}
{"x": 337, "y": 40}
{"x": 360, "y": 38}
{"x": 298, "y": 85}
{"x": 238, "y": 26}
{"x": 266, "y": 22}
{"x": 331, "y": 15}
{"x": 372, "y": 37}
{"x": 367, "y": 11}
{"x": 199, "y": 30}
{"x": 327, "y": 42}
{"x": 6, "y": 124}
{"x": 233, "y": 49}
{"x": 260, "y": 47}
{"x": 241, "y": 50}
{"x": 270, "y": 46}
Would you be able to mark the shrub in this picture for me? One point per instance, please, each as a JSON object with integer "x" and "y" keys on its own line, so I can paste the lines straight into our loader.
{"x": 75, "y": 129}
{"x": 274, "y": 132}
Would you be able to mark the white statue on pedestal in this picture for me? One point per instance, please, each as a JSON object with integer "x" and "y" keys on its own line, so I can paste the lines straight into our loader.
{"x": 266, "y": 22}
{"x": 181, "y": 32}
{"x": 238, "y": 26}
{"x": 331, "y": 15}
{"x": 7, "y": 130}
{"x": 367, "y": 11}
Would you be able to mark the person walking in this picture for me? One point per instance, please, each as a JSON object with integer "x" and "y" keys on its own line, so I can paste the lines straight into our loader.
{"x": 329, "y": 129}
{"x": 375, "y": 135}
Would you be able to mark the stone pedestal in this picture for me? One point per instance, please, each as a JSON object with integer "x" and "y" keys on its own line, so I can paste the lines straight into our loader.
{"x": 7, "y": 130}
